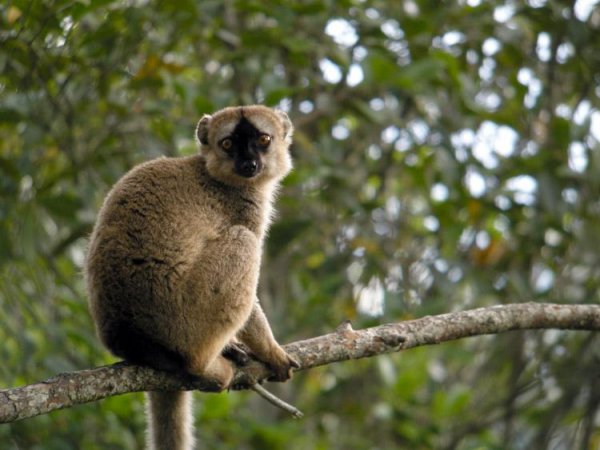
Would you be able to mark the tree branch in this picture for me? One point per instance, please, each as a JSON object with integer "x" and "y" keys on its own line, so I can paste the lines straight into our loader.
{"x": 85, "y": 386}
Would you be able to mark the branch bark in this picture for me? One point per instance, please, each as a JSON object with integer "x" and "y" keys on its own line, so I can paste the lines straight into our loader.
{"x": 73, "y": 388}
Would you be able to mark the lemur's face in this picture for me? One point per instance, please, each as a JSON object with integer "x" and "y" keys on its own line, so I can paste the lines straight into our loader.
{"x": 246, "y": 145}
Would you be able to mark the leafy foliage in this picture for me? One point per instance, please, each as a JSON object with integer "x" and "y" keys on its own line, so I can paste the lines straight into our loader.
{"x": 446, "y": 158}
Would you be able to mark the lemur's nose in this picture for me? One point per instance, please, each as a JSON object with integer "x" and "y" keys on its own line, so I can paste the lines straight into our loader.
{"x": 249, "y": 167}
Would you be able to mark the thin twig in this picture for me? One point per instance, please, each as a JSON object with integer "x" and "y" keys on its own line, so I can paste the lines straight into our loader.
{"x": 295, "y": 412}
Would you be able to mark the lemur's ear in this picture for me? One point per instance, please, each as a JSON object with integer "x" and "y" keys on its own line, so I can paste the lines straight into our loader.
{"x": 288, "y": 128}
{"x": 202, "y": 129}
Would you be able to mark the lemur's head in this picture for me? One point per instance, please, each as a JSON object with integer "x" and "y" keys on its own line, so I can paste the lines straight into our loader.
{"x": 246, "y": 144}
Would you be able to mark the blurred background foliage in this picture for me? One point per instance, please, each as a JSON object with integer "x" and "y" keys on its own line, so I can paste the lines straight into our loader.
{"x": 447, "y": 157}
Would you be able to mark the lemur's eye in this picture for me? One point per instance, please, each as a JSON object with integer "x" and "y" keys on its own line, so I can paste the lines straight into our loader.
{"x": 264, "y": 140}
{"x": 226, "y": 144}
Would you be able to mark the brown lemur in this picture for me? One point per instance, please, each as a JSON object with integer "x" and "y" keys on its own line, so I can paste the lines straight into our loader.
{"x": 174, "y": 258}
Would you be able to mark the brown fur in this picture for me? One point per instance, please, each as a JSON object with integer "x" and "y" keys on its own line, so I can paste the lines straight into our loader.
{"x": 174, "y": 259}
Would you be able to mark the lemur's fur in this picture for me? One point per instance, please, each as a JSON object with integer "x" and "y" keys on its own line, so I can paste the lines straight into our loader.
{"x": 174, "y": 259}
